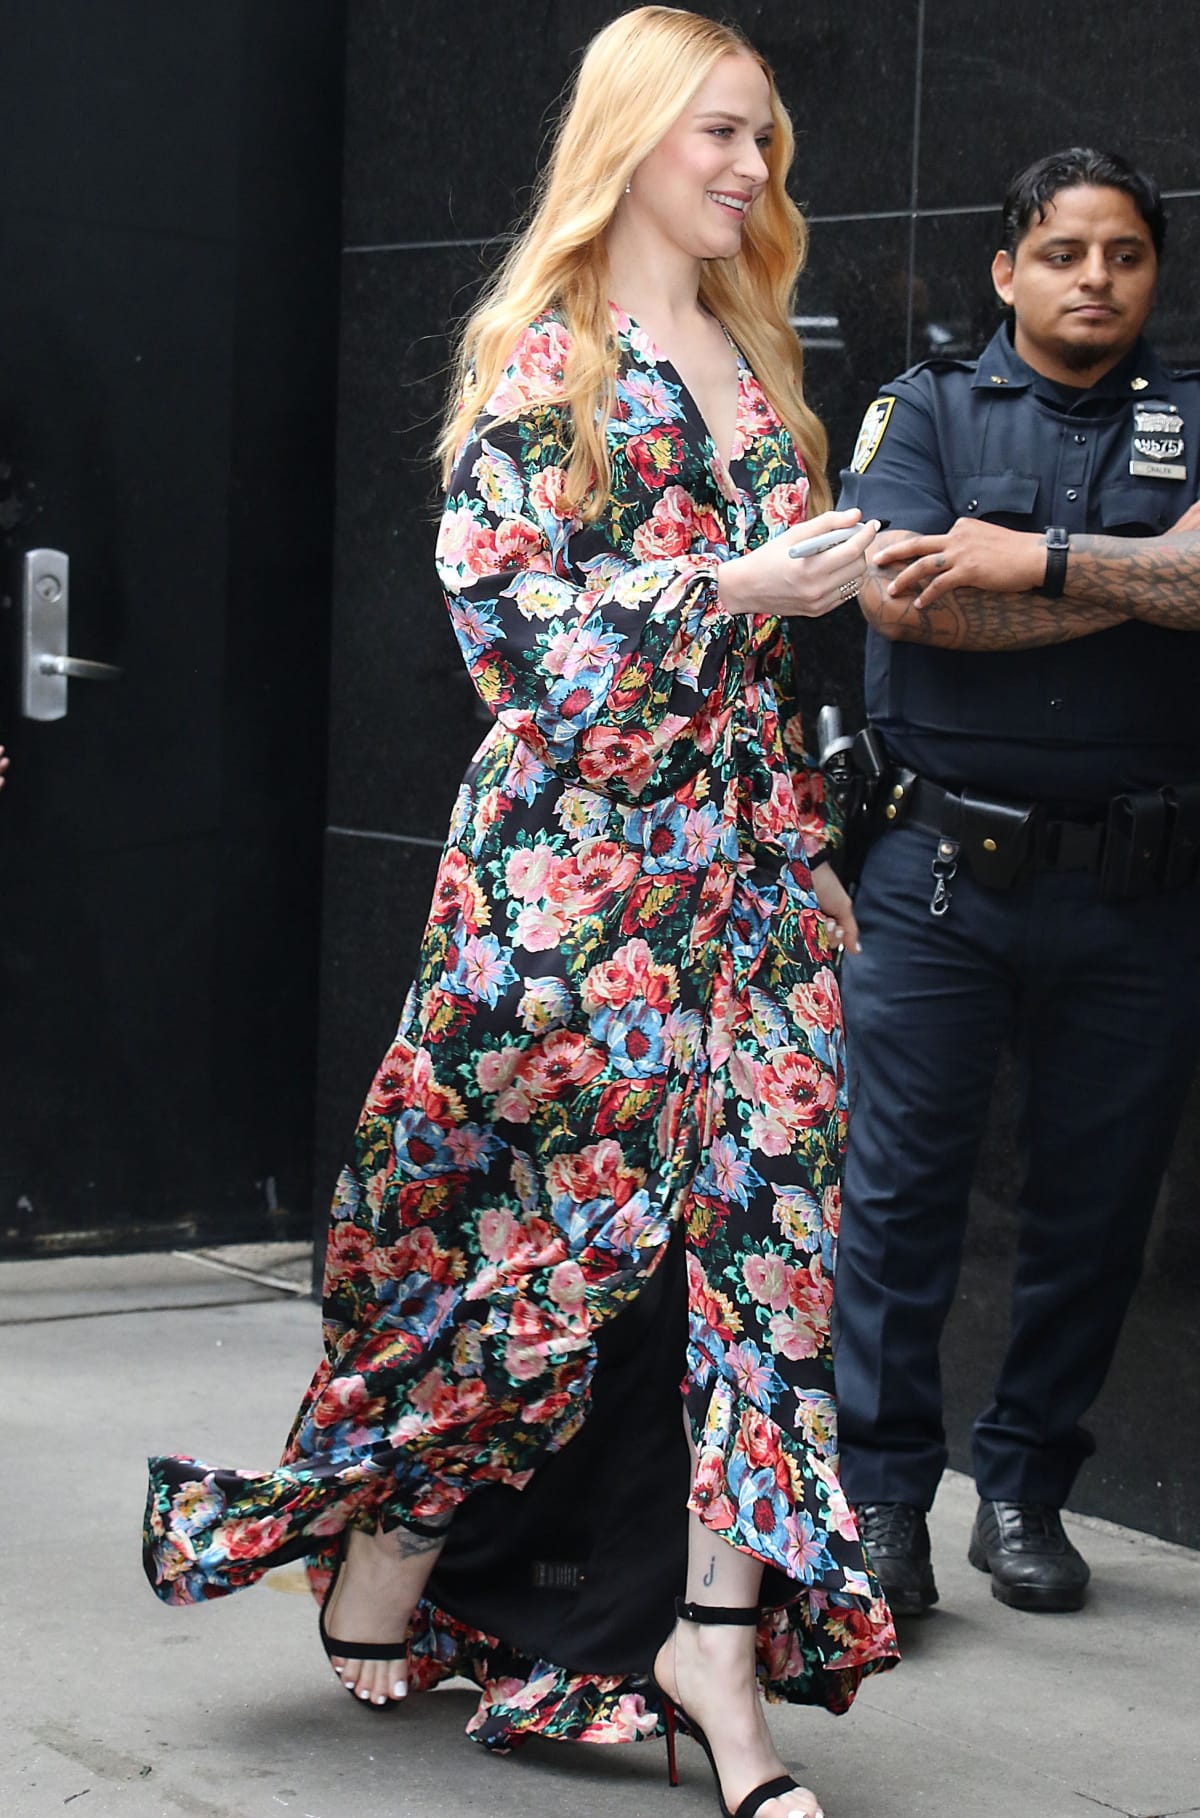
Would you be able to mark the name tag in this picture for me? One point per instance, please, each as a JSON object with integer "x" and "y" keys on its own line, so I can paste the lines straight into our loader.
{"x": 1159, "y": 450}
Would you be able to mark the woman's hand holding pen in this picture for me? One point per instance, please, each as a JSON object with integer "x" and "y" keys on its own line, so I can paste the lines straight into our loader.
{"x": 801, "y": 573}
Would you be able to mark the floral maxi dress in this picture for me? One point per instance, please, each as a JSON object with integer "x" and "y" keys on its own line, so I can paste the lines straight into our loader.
{"x": 599, "y": 1165}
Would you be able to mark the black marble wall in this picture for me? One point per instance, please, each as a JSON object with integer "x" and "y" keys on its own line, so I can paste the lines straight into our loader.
{"x": 910, "y": 118}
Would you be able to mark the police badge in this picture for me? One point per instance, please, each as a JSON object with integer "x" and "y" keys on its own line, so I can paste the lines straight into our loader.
{"x": 1158, "y": 451}
{"x": 871, "y": 434}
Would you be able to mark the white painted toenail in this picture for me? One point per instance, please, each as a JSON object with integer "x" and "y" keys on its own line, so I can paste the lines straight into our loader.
{"x": 399, "y": 1690}
{"x": 366, "y": 1695}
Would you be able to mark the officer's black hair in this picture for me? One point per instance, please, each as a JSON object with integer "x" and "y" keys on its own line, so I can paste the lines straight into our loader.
{"x": 1034, "y": 188}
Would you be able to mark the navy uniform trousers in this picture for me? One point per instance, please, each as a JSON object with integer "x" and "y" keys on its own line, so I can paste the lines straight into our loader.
{"x": 1102, "y": 1003}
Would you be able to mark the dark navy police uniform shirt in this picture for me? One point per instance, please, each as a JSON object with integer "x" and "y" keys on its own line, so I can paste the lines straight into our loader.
{"x": 1072, "y": 723}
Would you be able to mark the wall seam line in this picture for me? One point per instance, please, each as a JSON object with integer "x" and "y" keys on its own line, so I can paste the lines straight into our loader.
{"x": 913, "y": 213}
{"x": 375, "y": 833}
{"x": 914, "y": 187}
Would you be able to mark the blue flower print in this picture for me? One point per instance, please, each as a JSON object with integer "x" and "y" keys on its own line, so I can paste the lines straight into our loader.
{"x": 634, "y": 1037}
{"x": 645, "y": 400}
{"x": 660, "y": 831}
{"x": 806, "y": 1549}
{"x": 482, "y": 971}
{"x": 728, "y": 1174}
{"x": 417, "y": 1304}
{"x": 420, "y": 1147}
{"x": 499, "y": 482}
{"x": 762, "y": 1505}
{"x": 754, "y": 1374}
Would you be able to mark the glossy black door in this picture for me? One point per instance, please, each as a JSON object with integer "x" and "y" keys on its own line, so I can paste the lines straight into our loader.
{"x": 168, "y": 275}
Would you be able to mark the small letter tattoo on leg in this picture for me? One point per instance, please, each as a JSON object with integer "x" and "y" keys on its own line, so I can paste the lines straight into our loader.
{"x": 712, "y": 1570}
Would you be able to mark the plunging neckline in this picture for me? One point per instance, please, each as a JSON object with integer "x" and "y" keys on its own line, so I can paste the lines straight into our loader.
{"x": 723, "y": 465}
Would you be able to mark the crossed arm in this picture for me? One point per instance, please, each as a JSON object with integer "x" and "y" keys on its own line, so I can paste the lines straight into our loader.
{"x": 972, "y": 589}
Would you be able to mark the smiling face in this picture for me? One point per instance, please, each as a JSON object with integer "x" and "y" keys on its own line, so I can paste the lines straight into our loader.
{"x": 1080, "y": 285}
{"x": 695, "y": 187}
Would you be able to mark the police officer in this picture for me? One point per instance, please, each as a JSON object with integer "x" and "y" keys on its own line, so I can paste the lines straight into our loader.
{"x": 1035, "y": 875}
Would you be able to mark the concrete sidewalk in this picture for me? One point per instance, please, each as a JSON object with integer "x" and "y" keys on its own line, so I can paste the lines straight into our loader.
{"x": 115, "y": 1705}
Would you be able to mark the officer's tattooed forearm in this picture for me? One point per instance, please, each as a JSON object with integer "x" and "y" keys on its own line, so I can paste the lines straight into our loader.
{"x": 1156, "y": 579}
{"x": 1109, "y": 580}
{"x": 964, "y": 618}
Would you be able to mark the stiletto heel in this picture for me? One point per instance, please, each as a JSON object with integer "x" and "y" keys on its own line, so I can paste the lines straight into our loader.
{"x": 674, "y": 1715}
{"x": 355, "y": 1650}
{"x": 669, "y": 1721}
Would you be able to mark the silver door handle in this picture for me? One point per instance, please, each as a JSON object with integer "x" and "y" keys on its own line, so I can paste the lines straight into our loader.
{"x": 45, "y": 667}
{"x": 80, "y": 668}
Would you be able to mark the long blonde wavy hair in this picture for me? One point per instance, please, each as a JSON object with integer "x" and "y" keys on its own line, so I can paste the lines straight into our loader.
{"x": 636, "y": 78}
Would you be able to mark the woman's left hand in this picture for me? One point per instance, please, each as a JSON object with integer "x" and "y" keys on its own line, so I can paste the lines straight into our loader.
{"x": 836, "y": 907}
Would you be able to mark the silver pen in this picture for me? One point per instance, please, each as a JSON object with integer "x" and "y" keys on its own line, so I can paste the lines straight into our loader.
{"x": 828, "y": 540}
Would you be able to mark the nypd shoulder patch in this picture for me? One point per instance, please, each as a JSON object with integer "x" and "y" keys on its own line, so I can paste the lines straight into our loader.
{"x": 871, "y": 434}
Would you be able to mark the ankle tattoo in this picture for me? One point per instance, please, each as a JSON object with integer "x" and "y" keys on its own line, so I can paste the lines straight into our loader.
{"x": 410, "y": 1544}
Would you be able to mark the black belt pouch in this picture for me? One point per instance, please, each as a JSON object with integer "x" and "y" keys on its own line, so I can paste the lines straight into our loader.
{"x": 1134, "y": 839}
{"x": 1181, "y": 860}
{"x": 996, "y": 838}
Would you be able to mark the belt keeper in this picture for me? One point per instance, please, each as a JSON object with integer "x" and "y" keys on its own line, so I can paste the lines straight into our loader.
{"x": 898, "y": 792}
{"x": 1073, "y": 845}
{"x": 1181, "y": 847}
{"x": 1134, "y": 844}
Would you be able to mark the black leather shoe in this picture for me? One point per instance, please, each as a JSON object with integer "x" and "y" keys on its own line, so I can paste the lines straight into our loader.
{"x": 1032, "y": 1563}
{"x": 896, "y": 1538}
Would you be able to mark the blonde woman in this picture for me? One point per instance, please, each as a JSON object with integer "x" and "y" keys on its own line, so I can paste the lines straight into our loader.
{"x": 599, "y": 1165}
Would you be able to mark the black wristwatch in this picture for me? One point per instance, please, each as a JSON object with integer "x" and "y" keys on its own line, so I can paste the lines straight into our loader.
{"x": 1058, "y": 547}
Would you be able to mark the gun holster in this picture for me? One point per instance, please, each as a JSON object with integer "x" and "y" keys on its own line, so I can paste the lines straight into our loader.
{"x": 857, "y": 792}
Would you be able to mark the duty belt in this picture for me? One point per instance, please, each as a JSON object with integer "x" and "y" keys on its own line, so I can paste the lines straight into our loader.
{"x": 1135, "y": 844}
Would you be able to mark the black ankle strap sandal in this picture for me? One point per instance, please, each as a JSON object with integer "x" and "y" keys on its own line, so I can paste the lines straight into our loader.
{"x": 674, "y": 1713}
{"x": 704, "y": 1613}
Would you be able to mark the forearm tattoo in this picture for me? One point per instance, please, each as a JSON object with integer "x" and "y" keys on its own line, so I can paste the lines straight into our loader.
{"x": 1109, "y": 580}
{"x": 964, "y": 618}
{"x": 1156, "y": 579}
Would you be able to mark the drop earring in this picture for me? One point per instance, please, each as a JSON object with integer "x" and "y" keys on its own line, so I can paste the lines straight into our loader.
{"x": 627, "y": 189}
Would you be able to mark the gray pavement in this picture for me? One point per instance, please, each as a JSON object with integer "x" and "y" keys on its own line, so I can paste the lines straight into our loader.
{"x": 114, "y": 1705}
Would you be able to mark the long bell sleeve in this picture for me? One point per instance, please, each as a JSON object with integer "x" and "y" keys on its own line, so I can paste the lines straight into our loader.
{"x": 601, "y": 646}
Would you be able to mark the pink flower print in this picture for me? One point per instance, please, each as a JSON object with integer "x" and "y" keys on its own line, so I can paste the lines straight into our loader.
{"x": 495, "y": 1070}
{"x": 755, "y": 417}
{"x": 770, "y": 1132}
{"x": 794, "y": 1335}
{"x": 539, "y": 930}
{"x": 546, "y": 492}
{"x": 804, "y": 1547}
{"x": 468, "y": 1147}
{"x": 457, "y": 527}
{"x": 496, "y": 1228}
{"x": 786, "y": 504}
{"x": 701, "y": 833}
{"x": 526, "y": 872}
{"x": 817, "y": 1003}
{"x": 766, "y": 1280}
{"x": 566, "y": 1287}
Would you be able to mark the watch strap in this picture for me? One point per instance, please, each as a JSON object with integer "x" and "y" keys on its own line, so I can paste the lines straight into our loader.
{"x": 1058, "y": 547}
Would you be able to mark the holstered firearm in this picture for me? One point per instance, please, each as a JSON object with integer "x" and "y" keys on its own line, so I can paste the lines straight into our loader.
{"x": 854, "y": 766}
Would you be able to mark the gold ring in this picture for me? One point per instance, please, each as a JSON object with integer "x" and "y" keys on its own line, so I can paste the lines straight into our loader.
{"x": 848, "y": 591}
